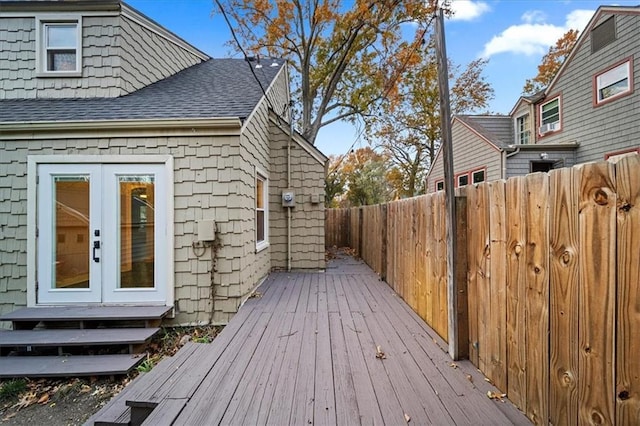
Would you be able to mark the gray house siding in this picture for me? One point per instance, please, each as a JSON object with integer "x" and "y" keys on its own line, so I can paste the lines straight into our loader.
{"x": 307, "y": 217}
{"x": 608, "y": 127}
{"x": 118, "y": 57}
{"x": 145, "y": 57}
{"x": 520, "y": 163}
{"x": 470, "y": 153}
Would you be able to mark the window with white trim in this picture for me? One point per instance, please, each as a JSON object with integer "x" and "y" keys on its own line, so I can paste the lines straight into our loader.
{"x": 523, "y": 129}
{"x": 614, "y": 82}
{"x": 463, "y": 180}
{"x": 477, "y": 176}
{"x": 59, "y": 47}
{"x": 439, "y": 185}
{"x": 550, "y": 116}
{"x": 262, "y": 211}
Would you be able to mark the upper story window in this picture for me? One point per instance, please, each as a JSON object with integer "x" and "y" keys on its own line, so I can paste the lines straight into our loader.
{"x": 550, "y": 116}
{"x": 613, "y": 83}
{"x": 59, "y": 47}
{"x": 262, "y": 211}
{"x": 523, "y": 129}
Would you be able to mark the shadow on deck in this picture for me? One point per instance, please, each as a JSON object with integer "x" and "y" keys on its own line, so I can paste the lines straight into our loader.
{"x": 308, "y": 350}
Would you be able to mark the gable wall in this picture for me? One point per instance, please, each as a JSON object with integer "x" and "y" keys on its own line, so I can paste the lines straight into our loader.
{"x": 470, "y": 152}
{"x": 605, "y": 128}
{"x": 211, "y": 182}
{"x": 307, "y": 217}
{"x": 145, "y": 57}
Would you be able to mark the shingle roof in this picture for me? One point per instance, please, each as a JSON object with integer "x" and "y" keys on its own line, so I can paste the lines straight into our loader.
{"x": 223, "y": 88}
{"x": 498, "y": 129}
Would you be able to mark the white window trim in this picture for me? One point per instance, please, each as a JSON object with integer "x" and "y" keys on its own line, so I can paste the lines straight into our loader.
{"x": 41, "y": 51}
{"x": 597, "y": 82}
{"x": 261, "y": 174}
{"x": 466, "y": 174}
{"x": 473, "y": 173}
{"x": 517, "y": 129}
{"x": 557, "y": 125}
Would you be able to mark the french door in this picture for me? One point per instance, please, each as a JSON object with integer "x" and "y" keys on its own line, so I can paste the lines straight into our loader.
{"x": 101, "y": 238}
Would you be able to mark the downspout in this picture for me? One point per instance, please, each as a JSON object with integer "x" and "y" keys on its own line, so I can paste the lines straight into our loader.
{"x": 503, "y": 160}
{"x": 288, "y": 187}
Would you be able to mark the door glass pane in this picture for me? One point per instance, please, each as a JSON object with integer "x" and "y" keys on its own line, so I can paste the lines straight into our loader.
{"x": 137, "y": 231}
{"x": 71, "y": 232}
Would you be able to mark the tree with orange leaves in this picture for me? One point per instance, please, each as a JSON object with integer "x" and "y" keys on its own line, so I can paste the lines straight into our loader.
{"x": 346, "y": 59}
{"x": 551, "y": 63}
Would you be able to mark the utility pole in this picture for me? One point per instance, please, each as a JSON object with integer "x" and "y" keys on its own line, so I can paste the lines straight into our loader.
{"x": 447, "y": 150}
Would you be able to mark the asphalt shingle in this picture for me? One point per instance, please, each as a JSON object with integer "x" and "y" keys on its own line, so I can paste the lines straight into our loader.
{"x": 215, "y": 88}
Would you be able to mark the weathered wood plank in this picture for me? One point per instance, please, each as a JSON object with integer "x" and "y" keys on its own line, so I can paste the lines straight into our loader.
{"x": 497, "y": 338}
{"x": 462, "y": 302}
{"x": 346, "y": 405}
{"x": 88, "y": 313}
{"x": 563, "y": 311}
{"x": 77, "y": 337}
{"x": 516, "y": 292}
{"x": 165, "y": 413}
{"x": 597, "y": 295}
{"x": 537, "y": 298}
{"x": 628, "y": 322}
{"x": 69, "y": 366}
{"x": 324, "y": 412}
{"x": 303, "y": 396}
{"x": 473, "y": 272}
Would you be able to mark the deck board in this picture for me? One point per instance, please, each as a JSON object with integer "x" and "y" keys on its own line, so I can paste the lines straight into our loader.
{"x": 61, "y": 366}
{"x": 305, "y": 353}
{"x": 77, "y": 337}
{"x": 87, "y": 313}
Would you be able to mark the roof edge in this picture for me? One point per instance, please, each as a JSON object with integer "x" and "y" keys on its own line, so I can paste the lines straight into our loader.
{"x": 154, "y": 127}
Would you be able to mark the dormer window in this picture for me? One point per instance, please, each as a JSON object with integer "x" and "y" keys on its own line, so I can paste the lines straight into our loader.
{"x": 523, "y": 129}
{"x": 59, "y": 47}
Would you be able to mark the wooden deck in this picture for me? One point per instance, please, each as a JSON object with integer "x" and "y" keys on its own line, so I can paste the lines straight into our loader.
{"x": 308, "y": 350}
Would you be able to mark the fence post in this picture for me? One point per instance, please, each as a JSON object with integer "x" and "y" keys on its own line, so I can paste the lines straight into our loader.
{"x": 360, "y": 226}
{"x": 461, "y": 334}
{"x": 383, "y": 251}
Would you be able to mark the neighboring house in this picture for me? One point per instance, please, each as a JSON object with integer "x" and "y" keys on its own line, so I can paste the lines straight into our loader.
{"x": 589, "y": 112}
{"x": 134, "y": 169}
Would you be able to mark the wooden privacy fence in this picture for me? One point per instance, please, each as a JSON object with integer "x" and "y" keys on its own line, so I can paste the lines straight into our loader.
{"x": 552, "y": 277}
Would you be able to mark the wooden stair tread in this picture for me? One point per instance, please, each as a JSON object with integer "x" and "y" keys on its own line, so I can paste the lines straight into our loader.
{"x": 77, "y": 337}
{"x": 59, "y": 366}
{"x": 88, "y": 313}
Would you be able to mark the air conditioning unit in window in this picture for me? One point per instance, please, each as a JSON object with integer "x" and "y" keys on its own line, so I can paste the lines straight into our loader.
{"x": 549, "y": 127}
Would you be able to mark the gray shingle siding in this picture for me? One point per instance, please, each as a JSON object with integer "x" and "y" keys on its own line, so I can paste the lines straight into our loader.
{"x": 119, "y": 56}
{"x": 608, "y": 127}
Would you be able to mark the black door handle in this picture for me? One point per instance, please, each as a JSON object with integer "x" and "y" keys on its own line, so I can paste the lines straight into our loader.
{"x": 96, "y": 246}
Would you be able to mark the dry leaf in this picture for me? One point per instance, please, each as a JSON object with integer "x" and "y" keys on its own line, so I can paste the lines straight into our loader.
{"x": 85, "y": 389}
{"x": 470, "y": 378}
{"x": 379, "y": 353}
{"x": 407, "y": 418}
{"x": 453, "y": 365}
{"x": 44, "y": 399}
{"x": 26, "y": 400}
{"x": 496, "y": 396}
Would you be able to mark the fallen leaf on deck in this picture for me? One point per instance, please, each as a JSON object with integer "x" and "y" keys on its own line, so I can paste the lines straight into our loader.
{"x": 379, "y": 353}
{"x": 470, "y": 378}
{"x": 453, "y": 365}
{"x": 407, "y": 418}
{"x": 255, "y": 295}
{"x": 496, "y": 396}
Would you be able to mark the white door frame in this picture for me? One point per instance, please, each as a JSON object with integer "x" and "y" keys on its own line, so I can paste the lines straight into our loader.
{"x": 32, "y": 213}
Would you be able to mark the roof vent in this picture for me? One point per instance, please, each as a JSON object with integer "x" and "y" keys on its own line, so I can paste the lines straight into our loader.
{"x": 603, "y": 34}
{"x": 274, "y": 64}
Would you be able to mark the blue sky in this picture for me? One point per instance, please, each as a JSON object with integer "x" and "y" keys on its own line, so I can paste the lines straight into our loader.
{"x": 512, "y": 34}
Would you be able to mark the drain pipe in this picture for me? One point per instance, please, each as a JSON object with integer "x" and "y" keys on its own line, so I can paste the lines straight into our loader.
{"x": 504, "y": 157}
{"x": 288, "y": 187}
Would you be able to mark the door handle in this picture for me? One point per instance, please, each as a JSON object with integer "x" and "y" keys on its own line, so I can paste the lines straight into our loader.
{"x": 96, "y": 246}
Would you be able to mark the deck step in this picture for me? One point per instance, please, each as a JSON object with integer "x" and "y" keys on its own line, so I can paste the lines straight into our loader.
{"x": 88, "y": 313}
{"x": 67, "y": 366}
{"x": 77, "y": 337}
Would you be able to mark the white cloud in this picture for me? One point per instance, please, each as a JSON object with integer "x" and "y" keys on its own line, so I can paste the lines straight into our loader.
{"x": 468, "y": 10}
{"x": 578, "y": 19}
{"x": 534, "y": 17}
{"x": 533, "y": 36}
